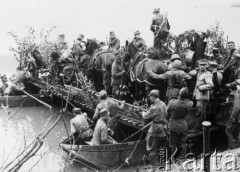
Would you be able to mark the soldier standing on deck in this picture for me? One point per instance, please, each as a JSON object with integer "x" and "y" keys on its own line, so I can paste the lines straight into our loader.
{"x": 215, "y": 92}
{"x": 160, "y": 27}
{"x": 176, "y": 80}
{"x": 111, "y": 106}
{"x": 138, "y": 42}
{"x": 156, "y": 136}
{"x": 202, "y": 93}
{"x": 177, "y": 125}
{"x": 117, "y": 72}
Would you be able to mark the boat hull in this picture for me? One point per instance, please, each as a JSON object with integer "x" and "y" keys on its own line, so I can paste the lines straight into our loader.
{"x": 107, "y": 156}
{"x": 17, "y": 101}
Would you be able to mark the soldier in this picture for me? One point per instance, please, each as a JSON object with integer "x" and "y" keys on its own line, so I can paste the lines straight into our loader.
{"x": 173, "y": 58}
{"x": 177, "y": 125}
{"x": 236, "y": 69}
{"x": 160, "y": 27}
{"x": 111, "y": 106}
{"x": 117, "y": 72}
{"x": 232, "y": 51}
{"x": 79, "y": 125}
{"x": 233, "y": 125}
{"x": 114, "y": 42}
{"x": 77, "y": 49}
{"x": 176, "y": 80}
{"x": 100, "y": 134}
{"x": 202, "y": 93}
{"x": 4, "y": 84}
{"x": 156, "y": 137}
{"x": 138, "y": 42}
{"x": 215, "y": 92}
{"x": 218, "y": 57}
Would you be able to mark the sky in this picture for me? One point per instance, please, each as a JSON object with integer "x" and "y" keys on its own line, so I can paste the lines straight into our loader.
{"x": 96, "y": 18}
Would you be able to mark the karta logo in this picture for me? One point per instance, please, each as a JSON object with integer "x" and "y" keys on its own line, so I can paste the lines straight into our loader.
{"x": 218, "y": 161}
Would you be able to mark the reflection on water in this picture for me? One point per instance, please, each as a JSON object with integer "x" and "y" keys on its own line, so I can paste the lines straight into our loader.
{"x": 23, "y": 128}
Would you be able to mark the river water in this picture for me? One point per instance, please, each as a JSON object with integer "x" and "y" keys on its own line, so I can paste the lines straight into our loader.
{"x": 23, "y": 128}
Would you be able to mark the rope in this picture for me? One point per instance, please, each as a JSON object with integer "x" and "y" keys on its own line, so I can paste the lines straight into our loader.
{"x": 130, "y": 156}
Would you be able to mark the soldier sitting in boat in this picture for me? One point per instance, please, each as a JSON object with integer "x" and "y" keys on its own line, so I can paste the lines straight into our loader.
{"x": 4, "y": 84}
{"x": 100, "y": 134}
{"x": 79, "y": 126}
{"x": 16, "y": 86}
{"x": 111, "y": 106}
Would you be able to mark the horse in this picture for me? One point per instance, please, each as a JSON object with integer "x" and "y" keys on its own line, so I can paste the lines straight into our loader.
{"x": 142, "y": 68}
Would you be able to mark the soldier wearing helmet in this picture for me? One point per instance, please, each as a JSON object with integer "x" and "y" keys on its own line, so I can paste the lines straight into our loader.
{"x": 138, "y": 42}
{"x": 202, "y": 92}
{"x": 176, "y": 80}
{"x": 173, "y": 58}
{"x": 114, "y": 42}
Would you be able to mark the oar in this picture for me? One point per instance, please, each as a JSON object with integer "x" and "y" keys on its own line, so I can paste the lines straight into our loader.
{"x": 45, "y": 104}
{"x": 137, "y": 132}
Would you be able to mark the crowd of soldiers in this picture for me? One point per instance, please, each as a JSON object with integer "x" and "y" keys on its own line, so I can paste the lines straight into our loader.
{"x": 168, "y": 117}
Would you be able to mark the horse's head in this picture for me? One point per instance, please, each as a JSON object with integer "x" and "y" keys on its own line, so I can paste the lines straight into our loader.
{"x": 91, "y": 46}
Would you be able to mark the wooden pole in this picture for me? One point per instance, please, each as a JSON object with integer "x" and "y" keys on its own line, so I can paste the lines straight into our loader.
{"x": 137, "y": 132}
{"x": 206, "y": 145}
{"x": 45, "y": 104}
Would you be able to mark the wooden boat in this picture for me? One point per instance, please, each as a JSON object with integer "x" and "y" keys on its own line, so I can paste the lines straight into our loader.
{"x": 20, "y": 100}
{"x": 109, "y": 156}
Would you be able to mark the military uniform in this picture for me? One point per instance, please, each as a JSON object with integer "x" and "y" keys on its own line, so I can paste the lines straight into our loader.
{"x": 177, "y": 125}
{"x": 215, "y": 93}
{"x": 80, "y": 127}
{"x": 175, "y": 82}
{"x": 233, "y": 126}
{"x": 202, "y": 95}
{"x": 139, "y": 43}
{"x": 77, "y": 49}
{"x": 117, "y": 76}
{"x": 114, "y": 44}
{"x": 100, "y": 134}
{"x": 159, "y": 22}
{"x": 111, "y": 106}
{"x": 156, "y": 136}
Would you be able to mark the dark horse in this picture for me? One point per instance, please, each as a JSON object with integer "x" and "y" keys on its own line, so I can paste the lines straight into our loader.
{"x": 142, "y": 69}
{"x": 98, "y": 64}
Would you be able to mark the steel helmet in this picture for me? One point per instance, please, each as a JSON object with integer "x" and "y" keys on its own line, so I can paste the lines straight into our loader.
{"x": 175, "y": 56}
{"x": 177, "y": 64}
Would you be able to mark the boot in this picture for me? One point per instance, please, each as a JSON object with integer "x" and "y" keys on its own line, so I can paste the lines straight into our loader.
{"x": 230, "y": 142}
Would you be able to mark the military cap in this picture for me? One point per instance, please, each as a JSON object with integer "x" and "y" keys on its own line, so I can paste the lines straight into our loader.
{"x": 102, "y": 93}
{"x": 156, "y": 10}
{"x": 154, "y": 93}
{"x": 184, "y": 93}
{"x": 213, "y": 63}
{"x": 137, "y": 32}
{"x": 104, "y": 112}
{"x": 81, "y": 36}
{"x": 76, "y": 110}
{"x": 112, "y": 33}
{"x": 202, "y": 61}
